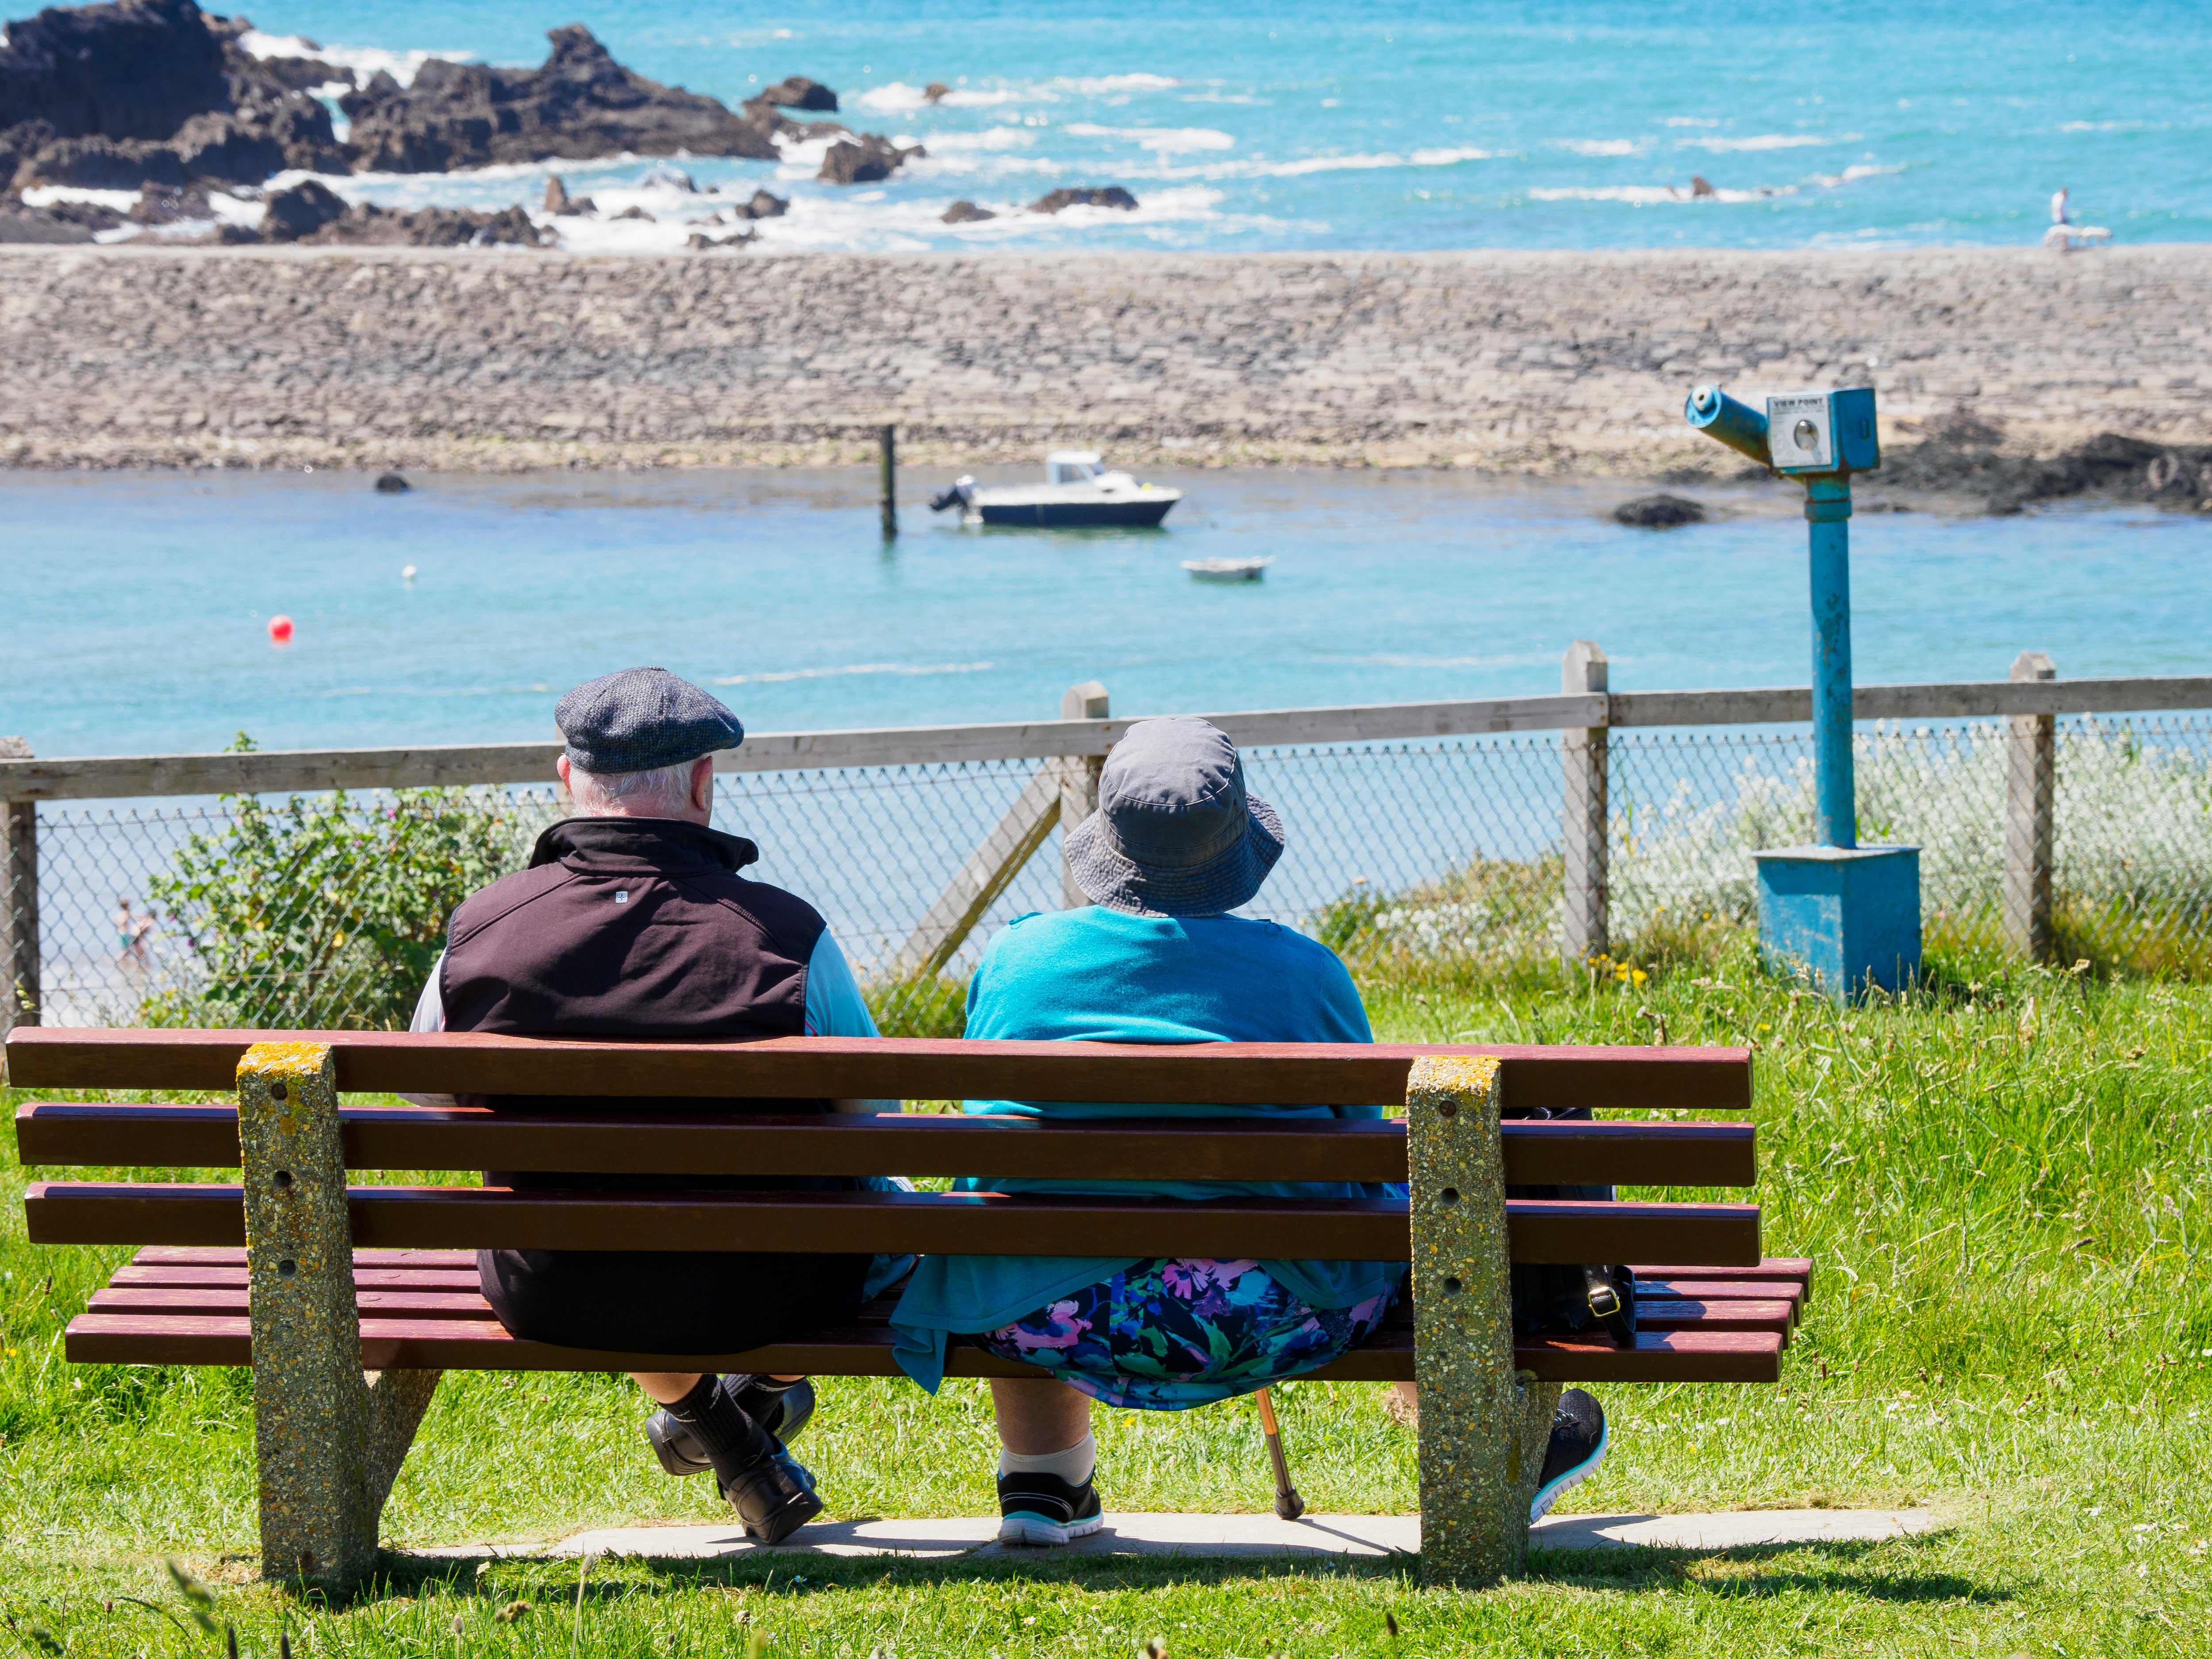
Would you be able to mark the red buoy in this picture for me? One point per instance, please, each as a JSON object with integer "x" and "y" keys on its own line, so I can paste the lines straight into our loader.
{"x": 280, "y": 630}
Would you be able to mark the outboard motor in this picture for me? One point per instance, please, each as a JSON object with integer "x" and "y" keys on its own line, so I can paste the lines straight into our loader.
{"x": 959, "y": 495}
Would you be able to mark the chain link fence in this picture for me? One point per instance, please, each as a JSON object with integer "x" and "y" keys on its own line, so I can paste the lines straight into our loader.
{"x": 1436, "y": 856}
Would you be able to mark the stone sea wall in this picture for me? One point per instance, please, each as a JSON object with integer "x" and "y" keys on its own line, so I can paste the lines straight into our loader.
{"x": 1547, "y": 362}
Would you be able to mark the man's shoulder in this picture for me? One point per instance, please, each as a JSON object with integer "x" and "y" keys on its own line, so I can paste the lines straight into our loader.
{"x": 503, "y": 897}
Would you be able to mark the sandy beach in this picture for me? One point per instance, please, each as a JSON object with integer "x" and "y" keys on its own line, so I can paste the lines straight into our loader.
{"x": 1540, "y": 362}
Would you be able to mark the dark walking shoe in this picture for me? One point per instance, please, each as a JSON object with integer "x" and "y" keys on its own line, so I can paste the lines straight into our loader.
{"x": 1044, "y": 1508}
{"x": 1578, "y": 1448}
{"x": 774, "y": 1498}
{"x": 782, "y": 1411}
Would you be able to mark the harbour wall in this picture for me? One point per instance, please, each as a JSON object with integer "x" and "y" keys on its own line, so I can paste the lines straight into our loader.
{"x": 1546, "y": 363}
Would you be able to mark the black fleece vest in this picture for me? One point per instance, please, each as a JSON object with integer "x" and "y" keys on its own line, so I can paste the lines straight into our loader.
{"x": 633, "y": 927}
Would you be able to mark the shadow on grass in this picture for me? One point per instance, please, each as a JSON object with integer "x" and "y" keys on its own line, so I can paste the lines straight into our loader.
{"x": 1866, "y": 1568}
{"x": 1871, "y": 1570}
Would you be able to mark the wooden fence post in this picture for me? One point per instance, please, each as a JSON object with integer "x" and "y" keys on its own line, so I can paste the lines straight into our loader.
{"x": 1586, "y": 926}
{"x": 1078, "y": 781}
{"x": 19, "y": 891}
{"x": 1061, "y": 787}
{"x": 328, "y": 1438}
{"x": 2031, "y": 787}
{"x": 887, "y": 469}
{"x": 1484, "y": 1427}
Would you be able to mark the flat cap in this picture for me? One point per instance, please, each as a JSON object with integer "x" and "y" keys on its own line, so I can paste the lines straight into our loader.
{"x": 640, "y": 718}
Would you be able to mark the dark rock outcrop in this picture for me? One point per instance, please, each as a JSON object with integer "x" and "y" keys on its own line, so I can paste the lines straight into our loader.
{"x": 636, "y": 213}
{"x": 797, "y": 92}
{"x": 766, "y": 206}
{"x": 579, "y": 103}
{"x": 390, "y": 484}
{"x": 312, "y": 213}
{"x": 160, "y": 206}
{"x": 558, "y": 201}
{"x": 64, "y": 222}
{"x": 136, "y": 92}
{"x": 132, "y": 69}
{"x": 1110, "y": 196}
{"x": 1659, "y": 512}
{"x": 1961, "y": 455}
{"x": 965, "y": 213}
{"x": 867, "y": 159}
{"x": 301, "y": 211}
{"x": 935, "y": 93}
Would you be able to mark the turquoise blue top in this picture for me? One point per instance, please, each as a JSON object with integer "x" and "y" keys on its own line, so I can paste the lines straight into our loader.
{"x": 1103, "y": 976}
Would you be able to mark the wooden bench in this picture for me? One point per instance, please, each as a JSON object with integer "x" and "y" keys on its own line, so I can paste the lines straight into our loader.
{"x": 314, "y": 1283}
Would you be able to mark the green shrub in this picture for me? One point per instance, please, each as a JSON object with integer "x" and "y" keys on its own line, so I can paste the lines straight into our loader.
{"x": 328, "y": 912}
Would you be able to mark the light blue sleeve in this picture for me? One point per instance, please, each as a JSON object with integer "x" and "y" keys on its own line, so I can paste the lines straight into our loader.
{"x": 835, "y": 1006}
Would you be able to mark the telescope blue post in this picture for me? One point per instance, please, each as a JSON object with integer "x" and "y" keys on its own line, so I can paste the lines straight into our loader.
{"x": 1828, "y": 511}
{"x": 1846, "y": 914}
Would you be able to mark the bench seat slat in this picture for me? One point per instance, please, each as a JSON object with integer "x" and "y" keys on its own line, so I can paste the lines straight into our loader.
{"x": 478, "y": 1062}
{"x": 1633, "y": 1154}
{"x": 155, "y": 1267}
{"x": 1357, "y": 1230}
{"x": 374, "y": 1301}
{"x": 137, "y": 1339}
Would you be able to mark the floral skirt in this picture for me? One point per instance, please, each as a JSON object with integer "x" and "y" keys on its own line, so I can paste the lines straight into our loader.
{"x": 1174, "y": 1332}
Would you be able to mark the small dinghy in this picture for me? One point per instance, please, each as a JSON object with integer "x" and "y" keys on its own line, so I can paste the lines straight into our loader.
{"x": 1226, "y": 570}
{"x": 1077, "y": 493}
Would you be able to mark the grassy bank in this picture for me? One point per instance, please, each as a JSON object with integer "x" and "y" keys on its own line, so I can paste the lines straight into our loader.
{"x": 2003, "y": 1181}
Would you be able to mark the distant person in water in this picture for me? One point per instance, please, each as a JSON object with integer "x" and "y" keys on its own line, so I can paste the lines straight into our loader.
{"x": 2065, "y": 236}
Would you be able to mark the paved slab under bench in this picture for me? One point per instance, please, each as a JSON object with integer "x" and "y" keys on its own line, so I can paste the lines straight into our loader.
{"x": 1226, "y": 1536}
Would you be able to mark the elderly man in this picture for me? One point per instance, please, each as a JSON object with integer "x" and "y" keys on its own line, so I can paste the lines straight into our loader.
{"x": 632, "y": 920}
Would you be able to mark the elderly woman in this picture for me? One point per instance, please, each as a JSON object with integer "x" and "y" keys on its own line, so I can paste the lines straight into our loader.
{"x": 1177, "y": 843}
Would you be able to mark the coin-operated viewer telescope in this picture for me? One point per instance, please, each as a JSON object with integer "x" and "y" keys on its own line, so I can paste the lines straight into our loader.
{"x": 1851, "y": 914}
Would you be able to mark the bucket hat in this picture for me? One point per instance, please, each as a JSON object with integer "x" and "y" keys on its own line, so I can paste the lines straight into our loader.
{"x": 1176, "y": 834}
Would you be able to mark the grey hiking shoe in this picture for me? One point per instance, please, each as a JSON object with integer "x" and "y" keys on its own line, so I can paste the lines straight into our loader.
{"x": 1578, "y": 1448}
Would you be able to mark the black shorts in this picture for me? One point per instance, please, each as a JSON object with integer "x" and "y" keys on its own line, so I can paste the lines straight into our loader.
{"x": 694, "y": 1301}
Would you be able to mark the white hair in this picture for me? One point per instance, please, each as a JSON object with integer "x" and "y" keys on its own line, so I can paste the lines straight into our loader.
{"x": 661, "y": 792}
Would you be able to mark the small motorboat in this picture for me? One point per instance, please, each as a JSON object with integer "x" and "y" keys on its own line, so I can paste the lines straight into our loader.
{"x": 1077, "y": 493}
{"x": 1226, "y": 570}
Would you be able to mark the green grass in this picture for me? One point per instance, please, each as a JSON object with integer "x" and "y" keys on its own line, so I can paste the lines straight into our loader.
{"x": 2003, "y": 1181}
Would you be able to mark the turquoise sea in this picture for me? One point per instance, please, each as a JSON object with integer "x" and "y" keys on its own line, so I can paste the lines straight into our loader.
{"x": 1340, "y": 123}
{"x": 136, "y": 606}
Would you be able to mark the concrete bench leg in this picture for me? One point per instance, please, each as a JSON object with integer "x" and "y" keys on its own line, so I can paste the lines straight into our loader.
{"x": 329, "y": 1439}
{"x": 1484, "y": 1426}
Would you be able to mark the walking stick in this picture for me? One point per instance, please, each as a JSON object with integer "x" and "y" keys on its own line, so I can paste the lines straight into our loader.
{"x": 1288, "y": 1504}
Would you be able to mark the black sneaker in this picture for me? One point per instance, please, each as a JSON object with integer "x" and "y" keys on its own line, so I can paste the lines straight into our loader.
{"x": 1044, "y": 1508}
{"x": 774, "y": 1498}
{"x": 1578, "y": 1448}
{"x": 782, "y": 1412}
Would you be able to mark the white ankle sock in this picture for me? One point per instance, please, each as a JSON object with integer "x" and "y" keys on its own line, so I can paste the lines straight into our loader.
{"x": 1073, "y": 1465}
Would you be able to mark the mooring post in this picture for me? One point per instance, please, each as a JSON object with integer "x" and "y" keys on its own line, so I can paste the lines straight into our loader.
{"x": 1078, "y": 781}
{"x": 1584, "y": 933}
{"x": 1484, "y": 1427}
{"x": 887, "y": 476}
{"x": 1828, "y": 512}
{"x": 2031, "y": 787}
{"x": 18, "y": 877}
{"x": 328, "y": 1439}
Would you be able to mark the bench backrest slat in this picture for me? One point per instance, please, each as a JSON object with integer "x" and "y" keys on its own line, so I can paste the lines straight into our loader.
{"x": 1548, "y": 1078}
{"x": 959, "y": 1224}
{"x": 49, "y": 1133}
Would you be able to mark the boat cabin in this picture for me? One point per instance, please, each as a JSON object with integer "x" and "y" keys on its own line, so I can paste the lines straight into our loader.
{"x": 1067, "y": 467}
